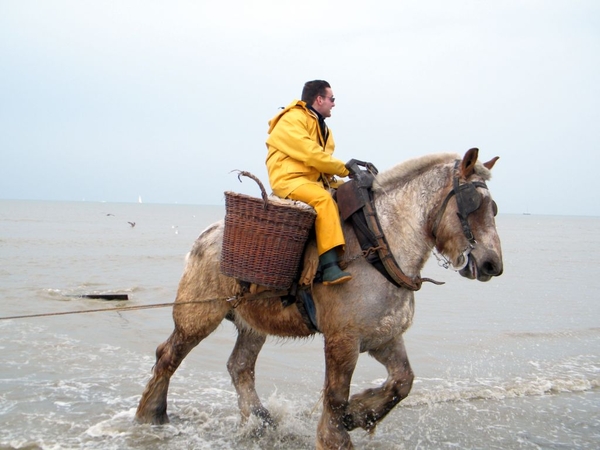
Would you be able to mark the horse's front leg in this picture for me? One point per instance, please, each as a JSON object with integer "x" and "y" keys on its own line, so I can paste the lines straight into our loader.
{"x": 341, "y": 354}
{"x": 370, "y": 406}
{"x": 241, "y": 366}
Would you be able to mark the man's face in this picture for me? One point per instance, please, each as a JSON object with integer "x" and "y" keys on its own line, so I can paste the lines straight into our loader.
{"x": 323, "y": 104}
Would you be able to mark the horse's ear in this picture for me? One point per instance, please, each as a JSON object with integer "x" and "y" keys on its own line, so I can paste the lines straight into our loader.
{"x": 488, "y": 165}
{"x": 467, "y": 166}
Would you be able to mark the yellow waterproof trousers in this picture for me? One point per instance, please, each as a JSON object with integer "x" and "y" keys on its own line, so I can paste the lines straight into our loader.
{"x": 327, "y": 224}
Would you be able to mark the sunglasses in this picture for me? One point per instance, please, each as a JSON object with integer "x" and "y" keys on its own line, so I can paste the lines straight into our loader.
{"x": 332, "y": 99}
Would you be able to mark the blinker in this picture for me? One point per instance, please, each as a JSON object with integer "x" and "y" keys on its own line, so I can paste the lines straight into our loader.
{"x": 468, "y": 199}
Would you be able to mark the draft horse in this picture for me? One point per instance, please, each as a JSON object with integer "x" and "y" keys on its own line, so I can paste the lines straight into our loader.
{"x": 438, "y": 201}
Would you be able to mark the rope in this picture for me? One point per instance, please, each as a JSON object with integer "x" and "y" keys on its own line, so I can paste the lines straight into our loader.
{"x": 124, "y": 308}
{"x": 238, "y": 298}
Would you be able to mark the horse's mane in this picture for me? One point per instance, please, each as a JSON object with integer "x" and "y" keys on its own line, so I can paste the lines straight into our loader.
{"x": 406, "y": 171}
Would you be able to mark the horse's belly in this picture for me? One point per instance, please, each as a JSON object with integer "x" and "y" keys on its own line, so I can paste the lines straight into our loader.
{"x": 271, "y": 317}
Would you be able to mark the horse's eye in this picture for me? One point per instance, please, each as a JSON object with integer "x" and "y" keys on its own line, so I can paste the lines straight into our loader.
{"x": 494, "y": 208}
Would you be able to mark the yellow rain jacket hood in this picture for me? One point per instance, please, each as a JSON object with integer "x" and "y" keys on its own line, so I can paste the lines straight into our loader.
{"x": 297, "y": 151}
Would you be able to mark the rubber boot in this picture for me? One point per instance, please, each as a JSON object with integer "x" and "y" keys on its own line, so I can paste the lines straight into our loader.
{"x": 332, "y": 274}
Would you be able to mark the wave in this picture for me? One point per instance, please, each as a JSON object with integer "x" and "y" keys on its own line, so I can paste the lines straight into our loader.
{"x": 572, "y": 375}
{"x": 88, "y": 289}
{"x": 553, "y": 334}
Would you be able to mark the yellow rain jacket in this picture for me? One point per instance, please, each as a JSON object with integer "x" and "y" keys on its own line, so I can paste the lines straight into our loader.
{"x": 300, "y": 166}
{"x": 296, "y": 154}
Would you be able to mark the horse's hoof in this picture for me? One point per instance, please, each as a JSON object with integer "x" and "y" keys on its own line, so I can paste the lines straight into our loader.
{"x": 160, "y": 420}
{"x": 154, "y": 419}
{"x": 265, "y": 417}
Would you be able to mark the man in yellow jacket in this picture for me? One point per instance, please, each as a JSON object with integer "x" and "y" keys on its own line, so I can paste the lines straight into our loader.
{"x": 301, "y": 167}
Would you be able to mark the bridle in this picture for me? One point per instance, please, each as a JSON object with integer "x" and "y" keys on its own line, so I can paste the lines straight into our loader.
{"x": 356, "y": 202}
{"x": 468, "y": 200}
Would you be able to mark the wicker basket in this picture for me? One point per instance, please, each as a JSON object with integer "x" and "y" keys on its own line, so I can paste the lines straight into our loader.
{"x": 264, "y": 239}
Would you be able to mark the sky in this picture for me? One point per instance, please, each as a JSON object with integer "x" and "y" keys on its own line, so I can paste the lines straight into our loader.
{"x": 116, "y": 99}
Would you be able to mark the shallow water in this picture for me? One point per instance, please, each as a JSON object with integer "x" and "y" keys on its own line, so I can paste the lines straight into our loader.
{"x": 512, "y": 363}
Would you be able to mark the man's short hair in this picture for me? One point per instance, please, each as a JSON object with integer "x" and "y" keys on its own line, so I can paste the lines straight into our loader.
{"x": 313, "y": 89}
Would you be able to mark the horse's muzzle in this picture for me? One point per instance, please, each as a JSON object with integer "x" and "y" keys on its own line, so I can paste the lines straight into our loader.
{"x": 483, "y": 267}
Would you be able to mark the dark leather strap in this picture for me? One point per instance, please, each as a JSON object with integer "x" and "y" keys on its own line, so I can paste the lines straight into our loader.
{"x": 372, "y": 240}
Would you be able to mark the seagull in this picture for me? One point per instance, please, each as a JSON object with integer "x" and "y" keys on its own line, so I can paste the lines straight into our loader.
{"x": 132, "y": 224}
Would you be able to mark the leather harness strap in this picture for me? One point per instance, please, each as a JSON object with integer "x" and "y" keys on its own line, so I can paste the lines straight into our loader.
{"x": 383, "y": 260}
{"x": 355, "y": 201}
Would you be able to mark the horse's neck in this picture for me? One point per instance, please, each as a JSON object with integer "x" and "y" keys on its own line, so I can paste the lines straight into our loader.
{"x": 403, "y": 213}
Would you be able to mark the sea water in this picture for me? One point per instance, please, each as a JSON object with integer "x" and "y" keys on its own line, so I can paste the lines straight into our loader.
{"x": 513, "y": 363}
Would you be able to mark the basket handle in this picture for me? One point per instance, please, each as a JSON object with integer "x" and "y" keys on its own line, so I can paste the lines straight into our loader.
{"x": 263, "y": 193}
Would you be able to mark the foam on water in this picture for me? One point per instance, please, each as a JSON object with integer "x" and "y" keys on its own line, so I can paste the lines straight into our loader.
{"x": 91, "y": 408}
{"x": 508, "y": 364}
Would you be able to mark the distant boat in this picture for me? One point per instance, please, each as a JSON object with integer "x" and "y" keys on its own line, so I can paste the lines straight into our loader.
{"x": 139, "y": 199}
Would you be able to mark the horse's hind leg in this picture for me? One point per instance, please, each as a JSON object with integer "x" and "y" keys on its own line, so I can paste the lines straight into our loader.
{"x": 169, "y": 355}
{"x": 241, "y": 367}
{"x": 370, "y": 406}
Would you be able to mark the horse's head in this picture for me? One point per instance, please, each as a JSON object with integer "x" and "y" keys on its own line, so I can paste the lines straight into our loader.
{"x": 464, "y": 227}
